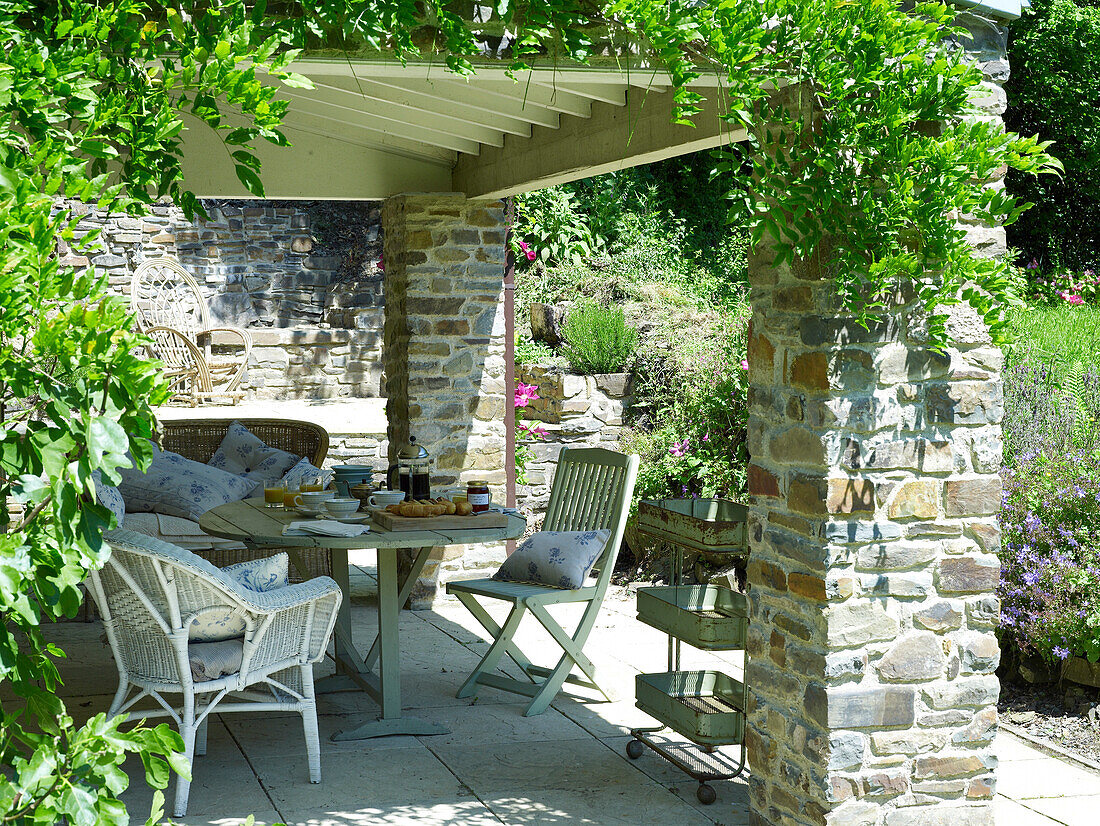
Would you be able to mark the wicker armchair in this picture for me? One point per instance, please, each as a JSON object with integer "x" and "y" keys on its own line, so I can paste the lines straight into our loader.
{"x": 198, "y": 439}
{"x": 170, "y": 309}
{"x": 149, "y": 593}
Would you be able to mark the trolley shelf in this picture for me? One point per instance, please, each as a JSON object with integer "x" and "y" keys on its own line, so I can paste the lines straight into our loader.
{"x": 710, "y": 617}
{"x": 703, "y": 706}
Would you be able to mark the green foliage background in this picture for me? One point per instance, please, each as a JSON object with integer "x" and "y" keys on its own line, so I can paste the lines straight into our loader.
{"x": 1054, "y": 91}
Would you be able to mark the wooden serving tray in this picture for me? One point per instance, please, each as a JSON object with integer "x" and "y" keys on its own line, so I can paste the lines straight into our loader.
{"x": 392, "y": 522}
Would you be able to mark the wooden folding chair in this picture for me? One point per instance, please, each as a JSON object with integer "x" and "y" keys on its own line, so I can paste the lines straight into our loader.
{"x": 592, "y": 490}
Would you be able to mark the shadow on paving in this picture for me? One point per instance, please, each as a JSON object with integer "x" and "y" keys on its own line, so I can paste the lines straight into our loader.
{"x": 565, "y": 766}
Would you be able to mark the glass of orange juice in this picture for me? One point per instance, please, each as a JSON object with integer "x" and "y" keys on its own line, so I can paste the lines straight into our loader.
{"x": 313, "y": 484}
{"x": 292, "y": 498}
{"x": 274, "y": 491}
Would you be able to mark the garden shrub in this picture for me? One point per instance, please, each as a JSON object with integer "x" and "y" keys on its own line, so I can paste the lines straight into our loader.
{"x": 598, "y": 339}
{"x": 691, "y": 439}
{"x": 1050, "y": 557}
{"x": 1054, "y": 51}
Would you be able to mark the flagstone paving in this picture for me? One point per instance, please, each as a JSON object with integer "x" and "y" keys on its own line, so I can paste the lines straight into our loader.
{"x": 566, "y": 766}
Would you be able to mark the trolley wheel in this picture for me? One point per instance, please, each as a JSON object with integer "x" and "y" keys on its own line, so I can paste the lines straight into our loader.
{"x": 634, "y": 749}
{"x": 706, "y": 794}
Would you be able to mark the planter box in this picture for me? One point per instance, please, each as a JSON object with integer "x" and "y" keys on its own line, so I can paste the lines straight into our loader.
{"x": 703, "y": 706}
{"x": 710, "y": 526}
{"x": 705, "y": 616}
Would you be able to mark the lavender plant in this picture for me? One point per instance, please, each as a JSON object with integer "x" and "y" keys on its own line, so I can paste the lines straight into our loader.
{"x": 1050, "y": 407}
{"x": 1050, "y": 559}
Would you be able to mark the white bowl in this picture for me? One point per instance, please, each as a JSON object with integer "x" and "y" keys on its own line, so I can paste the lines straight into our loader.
{"x": 313, "y": 498}
{"x": 381, "y": 498}
{"x": 341, "y": 507}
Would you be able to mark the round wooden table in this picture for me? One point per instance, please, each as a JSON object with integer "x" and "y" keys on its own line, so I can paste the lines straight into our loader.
{"x": 257, "y": 526}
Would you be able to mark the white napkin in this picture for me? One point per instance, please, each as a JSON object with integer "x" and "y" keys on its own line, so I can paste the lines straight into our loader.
{"x": 324, "y": 527}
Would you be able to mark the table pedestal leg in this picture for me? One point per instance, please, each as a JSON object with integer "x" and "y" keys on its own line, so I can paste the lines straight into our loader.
{"x": 391, "y": 596}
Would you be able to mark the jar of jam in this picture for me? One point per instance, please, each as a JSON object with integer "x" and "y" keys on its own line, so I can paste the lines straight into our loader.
{"x": 479, "y": 497}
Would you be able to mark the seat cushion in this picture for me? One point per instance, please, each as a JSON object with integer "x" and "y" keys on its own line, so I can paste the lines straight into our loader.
{"x": 561, "y": 559}
{"x": 213, "y": 660}
{"x": 177, "y": 486}
{"x": 244, "y": 454}
{"x": 260, "y": 575}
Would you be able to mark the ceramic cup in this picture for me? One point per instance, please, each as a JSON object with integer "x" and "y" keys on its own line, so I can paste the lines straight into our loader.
{"x": 381, "y": 498}
{"x": 341, "y": 507}
{"x": 313, "y": 499}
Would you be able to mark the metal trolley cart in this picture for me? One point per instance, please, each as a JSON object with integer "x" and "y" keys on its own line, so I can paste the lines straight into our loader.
{"x": 706, "y": 707}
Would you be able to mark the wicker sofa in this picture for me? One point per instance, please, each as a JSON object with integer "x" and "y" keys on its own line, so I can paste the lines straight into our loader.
{"x": 198, "y": 439}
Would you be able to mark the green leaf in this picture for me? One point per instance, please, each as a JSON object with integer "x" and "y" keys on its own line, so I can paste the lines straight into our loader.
{"x": 250, "y": 180}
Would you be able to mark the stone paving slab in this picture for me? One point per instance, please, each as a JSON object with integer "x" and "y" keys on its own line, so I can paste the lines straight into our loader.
{"x": 566, "y": 766}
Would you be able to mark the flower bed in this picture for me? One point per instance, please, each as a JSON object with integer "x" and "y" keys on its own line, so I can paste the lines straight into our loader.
{"x": 1050, "y": 557}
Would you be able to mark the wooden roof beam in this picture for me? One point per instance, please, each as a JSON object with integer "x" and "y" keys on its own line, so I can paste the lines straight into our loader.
{"x": 613, "y": 138}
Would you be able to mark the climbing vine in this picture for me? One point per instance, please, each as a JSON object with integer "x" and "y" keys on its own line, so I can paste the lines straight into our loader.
{"x": 873, "y": 151}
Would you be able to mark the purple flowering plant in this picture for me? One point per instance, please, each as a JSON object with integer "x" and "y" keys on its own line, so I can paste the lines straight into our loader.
{"x": 1050, "y": 556}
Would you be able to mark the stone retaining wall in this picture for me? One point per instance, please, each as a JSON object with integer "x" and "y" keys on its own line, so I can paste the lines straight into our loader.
{"x": 317, "y": 329}
{"x": 576, "y": 411}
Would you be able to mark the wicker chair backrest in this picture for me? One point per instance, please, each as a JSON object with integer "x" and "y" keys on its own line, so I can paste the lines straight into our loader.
{"x": 198, "y": 439}
{"x": 163, "y": 293}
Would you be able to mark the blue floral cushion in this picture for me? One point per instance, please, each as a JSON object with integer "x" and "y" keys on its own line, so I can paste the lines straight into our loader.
{"x": 108, "y": 496}
{"x": 177, "y": 486}
{"x": 243, "y": 454}
{"x": 304, "y": 471}
{"x": 561, "y": 559}
{"x": 256, "y": 575}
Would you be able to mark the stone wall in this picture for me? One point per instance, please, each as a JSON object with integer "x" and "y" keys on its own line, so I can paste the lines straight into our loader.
{"x": 444, "y": 351}
{"x": 873, "y": 535}
{"x": 315, "y": 320}
{"x": 575, "y": 411}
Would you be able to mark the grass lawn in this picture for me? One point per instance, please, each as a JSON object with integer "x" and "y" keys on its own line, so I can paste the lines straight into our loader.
{"x": 1062, "y": 333}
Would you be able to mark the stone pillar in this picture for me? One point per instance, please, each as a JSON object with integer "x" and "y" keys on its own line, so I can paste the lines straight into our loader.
{"x": 873, "y": 534}
{"x": 443, "y": 352}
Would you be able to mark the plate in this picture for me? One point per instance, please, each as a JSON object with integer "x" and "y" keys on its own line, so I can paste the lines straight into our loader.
{"x": 354, "y": 519}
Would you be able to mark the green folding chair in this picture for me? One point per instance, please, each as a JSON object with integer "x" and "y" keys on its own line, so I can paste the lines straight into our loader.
{"x": 592, "y": 490}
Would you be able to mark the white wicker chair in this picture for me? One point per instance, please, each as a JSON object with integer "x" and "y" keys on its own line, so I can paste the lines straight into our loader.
{"x": 149, "y": 593}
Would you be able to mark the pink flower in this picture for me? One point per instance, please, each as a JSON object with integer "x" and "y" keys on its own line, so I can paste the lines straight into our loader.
{"x": 541, "y": 432}
{"x": 679, "y": 448}
{"x": 525, "y": 394}
{"x": 706, "y": 438}
{"x": 530, "y": 253}
{"x": 1075, "y": 299}
{"x": 381, "y": 264}
{"x": 744, "y": 364}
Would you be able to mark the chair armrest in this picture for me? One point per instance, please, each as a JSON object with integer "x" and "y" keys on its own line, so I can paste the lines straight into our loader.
{"x": 292, "y": 596}
{"x": 301, "y": 615}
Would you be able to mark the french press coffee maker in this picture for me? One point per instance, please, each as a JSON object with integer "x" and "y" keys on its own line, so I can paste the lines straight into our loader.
{"x": 412, "y": 473}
